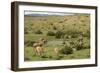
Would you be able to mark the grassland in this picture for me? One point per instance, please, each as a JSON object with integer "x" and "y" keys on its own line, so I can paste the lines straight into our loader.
{"x": 71, "y": 25}
{"x": 81, "y": 54}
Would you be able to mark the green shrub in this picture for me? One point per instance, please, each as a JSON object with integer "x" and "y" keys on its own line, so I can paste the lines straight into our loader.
{"x": 79, "y": 46}
{"x": 63, "y": 42}
{"x": 73, "y": 33}
{"x": 38, "y": 32}
{"x": 66, "y": 50}
{"x": 50, "y": 33}
{"x": 86, "y": 45}
{"x": 26, "y": 30}
{"x": 59, "y": 34}
{"x": 27, "y": 59}
{"x": 87, "y": 34}
{"x": 29, "y": 43}
{"x": 55, "y": 28}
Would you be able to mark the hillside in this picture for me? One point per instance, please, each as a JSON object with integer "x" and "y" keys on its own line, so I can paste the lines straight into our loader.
{"x": 78, "y": 22}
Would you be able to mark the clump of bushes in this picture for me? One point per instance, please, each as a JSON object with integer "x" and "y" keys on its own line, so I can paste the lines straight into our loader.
{"x": 27, "y": 59}
{"x": 73, "y": 33}
{"x": 74, "y": 36}
{"x": 55, "y": 28}
{"x": 59, "y": 34}
{"x": 50, "y": 33}
{"x": 60, "y": 21}
{"x": 87, "y": 34}
{"x": 29, "y": 43}
{"x": 26, "y": 30}
{"x": 79, "y": 47}
{"x": 86, "y": 45}
{"x": 38, "y": 32}
{"x": 66, "y": 50}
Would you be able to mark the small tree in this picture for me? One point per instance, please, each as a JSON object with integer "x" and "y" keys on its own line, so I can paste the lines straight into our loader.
{"x": 66, "y": 50}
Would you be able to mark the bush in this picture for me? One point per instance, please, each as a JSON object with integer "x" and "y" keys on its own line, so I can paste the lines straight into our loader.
{"x": 29, "y": 43}
{"x": 26, "y": 30}
{"x": 63, "y": 42}
{"x": 79, "y": 46}
{"x": 26, "y": 59}
{"x": 73, "y": 33}
{"x": 66, "y": 50}
{"x": 87, "y": 34}
{"x": 86, "y": 45}
{"x": 50, "y": 33}
{"x": 38, "y": 32}
{"x": 55, "y": 28}
{"x": 59, "y": 34}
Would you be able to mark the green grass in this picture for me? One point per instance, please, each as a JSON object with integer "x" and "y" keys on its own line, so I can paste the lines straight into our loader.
{"x": 35, "y": 37}
{"x": 50, "y": 55}
{"x": 77, "y": 23}
{"x": 49, "y": 48}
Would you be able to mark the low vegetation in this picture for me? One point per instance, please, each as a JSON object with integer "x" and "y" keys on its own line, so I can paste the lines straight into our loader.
{"x": 69, "y": 34}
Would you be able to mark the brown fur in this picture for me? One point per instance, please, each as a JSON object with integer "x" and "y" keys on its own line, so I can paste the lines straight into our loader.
{"x": 56, "y": 51}
{"x": 39, "y": 50}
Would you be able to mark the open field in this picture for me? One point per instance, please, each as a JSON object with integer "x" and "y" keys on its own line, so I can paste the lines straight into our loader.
{"x": 81, "y": 54}
{"x": 59, "y": 31}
